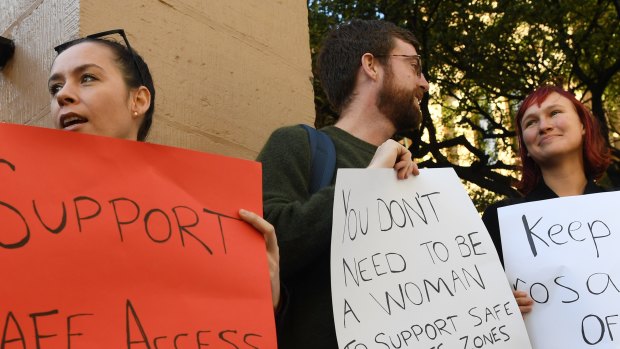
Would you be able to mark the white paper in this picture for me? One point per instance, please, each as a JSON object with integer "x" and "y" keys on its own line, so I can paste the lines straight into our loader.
{"x": 412, "y": 266}
{"x": 571, "y": 269}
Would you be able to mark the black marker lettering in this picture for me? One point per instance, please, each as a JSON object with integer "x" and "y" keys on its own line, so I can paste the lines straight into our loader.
{"x": 77, "y": 210}
{"x": 221, "y": 335}
{"x": 529, "y": 234}
{"x": 35, "y": 324}
{"x": 26, "y": 237}
{"x": 72, "y": 334}
{"x": 143, "y": 337}
{"x": 147, "y": 218}
{"x": 119, "y": 222}
{"x": 251, "y": 335}
{"x": 61, "y": 225}
{"x": 10, "y": 318}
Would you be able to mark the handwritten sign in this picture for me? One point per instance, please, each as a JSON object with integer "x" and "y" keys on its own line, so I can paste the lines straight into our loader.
{"x": 106, "y": 243}
{"x": 565, "y": 253}
{"x": 412, "y": 266}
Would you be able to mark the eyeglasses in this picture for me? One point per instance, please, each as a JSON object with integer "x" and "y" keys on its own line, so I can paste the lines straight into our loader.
{"x": 60, "y": 48}
{"x": 416, "y": 62}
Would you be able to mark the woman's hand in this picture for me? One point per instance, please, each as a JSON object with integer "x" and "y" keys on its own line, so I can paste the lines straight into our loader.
{"x": 524, "y": 301}
{"x": 273, "y": 252}
{"x": 392, "y": 154}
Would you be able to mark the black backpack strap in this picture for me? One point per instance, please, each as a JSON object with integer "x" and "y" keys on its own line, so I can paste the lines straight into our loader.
{"x": 323, "y": 159}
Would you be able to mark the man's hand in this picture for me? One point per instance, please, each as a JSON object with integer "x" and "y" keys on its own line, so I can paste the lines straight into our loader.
{"x": 395, "y": 155}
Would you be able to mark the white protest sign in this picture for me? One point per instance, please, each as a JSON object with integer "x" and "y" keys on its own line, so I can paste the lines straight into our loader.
{"x": 412, "y": 266}
{"x": 565, "y": 253}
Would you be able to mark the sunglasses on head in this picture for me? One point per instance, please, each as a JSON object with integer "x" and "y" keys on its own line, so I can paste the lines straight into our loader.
{"x": 60, "y": 48}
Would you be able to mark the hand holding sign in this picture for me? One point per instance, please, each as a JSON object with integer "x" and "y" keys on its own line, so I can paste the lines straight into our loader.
{"x": 392, "y": 154}
{"x": 524, "y": 301}
{"x": 273, "y": 252}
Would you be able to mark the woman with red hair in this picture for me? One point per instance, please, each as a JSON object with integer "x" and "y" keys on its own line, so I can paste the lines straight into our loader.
{"x": 562, "y": 153}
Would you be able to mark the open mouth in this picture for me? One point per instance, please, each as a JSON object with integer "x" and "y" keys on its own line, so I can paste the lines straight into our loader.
{"x": 418, "y": 99}
{"x": 71, "y": 119}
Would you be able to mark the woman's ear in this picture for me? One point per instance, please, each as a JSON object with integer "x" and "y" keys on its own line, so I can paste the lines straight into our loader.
{"x": 583, "y": 128}
{"x": 141, "y": 101}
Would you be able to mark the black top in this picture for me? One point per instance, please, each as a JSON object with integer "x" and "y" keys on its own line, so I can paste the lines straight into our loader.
{"x": 540, "y": 192}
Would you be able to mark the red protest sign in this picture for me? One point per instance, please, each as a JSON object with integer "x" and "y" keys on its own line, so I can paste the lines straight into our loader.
{"x": 107, "y": 243}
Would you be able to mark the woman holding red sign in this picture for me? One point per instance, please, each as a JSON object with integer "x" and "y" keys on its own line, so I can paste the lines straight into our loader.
{"x": 562, "y": 153}
{"x": 103, "y": 88}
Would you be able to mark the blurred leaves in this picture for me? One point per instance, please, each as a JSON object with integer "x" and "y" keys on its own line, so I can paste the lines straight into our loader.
{"x": 482, "y": 58}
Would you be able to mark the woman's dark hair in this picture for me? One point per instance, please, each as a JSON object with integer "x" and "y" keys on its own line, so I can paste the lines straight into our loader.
{"x": 129, "y": 61}
{"x": 596, "y": 153}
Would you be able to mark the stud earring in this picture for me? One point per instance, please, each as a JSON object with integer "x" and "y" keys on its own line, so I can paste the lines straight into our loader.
{"x": 135, "y": 113}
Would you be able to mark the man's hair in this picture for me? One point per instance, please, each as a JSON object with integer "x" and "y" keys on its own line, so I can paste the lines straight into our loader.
{"x": 596, "y": 153}
{"x": 342, "y": 51}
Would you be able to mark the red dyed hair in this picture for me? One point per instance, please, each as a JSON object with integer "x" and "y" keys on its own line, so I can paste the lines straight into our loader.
{"x": 596, "y": 153}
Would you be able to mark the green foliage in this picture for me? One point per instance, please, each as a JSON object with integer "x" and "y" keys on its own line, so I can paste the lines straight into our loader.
{"x": 482, "y": 58}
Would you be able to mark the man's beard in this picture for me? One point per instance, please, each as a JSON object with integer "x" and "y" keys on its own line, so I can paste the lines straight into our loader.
{"x": 399, "y": 105}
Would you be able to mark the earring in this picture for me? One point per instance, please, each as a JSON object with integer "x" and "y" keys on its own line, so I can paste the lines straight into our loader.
{"x": 135, "y": 113}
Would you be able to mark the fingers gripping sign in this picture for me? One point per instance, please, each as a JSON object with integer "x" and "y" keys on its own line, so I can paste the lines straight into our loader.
{"x": 524, "y": 301}
{"x": 395, "y": 155}
{"x": 273, "y": 252}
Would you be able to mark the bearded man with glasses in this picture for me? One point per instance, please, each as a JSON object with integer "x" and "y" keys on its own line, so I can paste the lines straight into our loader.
{"x": 372, "y": 74}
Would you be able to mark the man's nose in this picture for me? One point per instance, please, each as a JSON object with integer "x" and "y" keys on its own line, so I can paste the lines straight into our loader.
{"x": 424, "y": 83}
